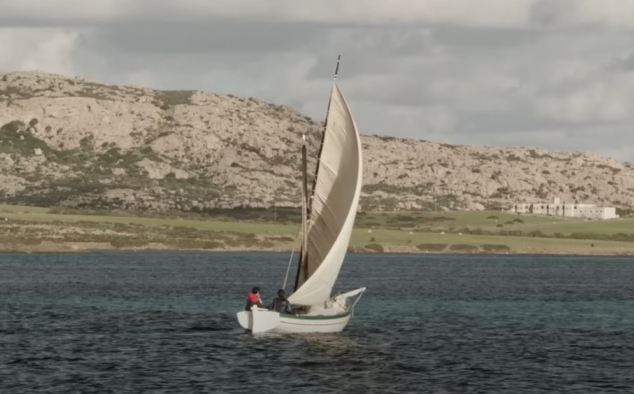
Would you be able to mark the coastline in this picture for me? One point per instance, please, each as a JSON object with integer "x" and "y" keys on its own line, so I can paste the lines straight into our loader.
{"x": 86, "y": 247}
{"x": 40, "y": 230}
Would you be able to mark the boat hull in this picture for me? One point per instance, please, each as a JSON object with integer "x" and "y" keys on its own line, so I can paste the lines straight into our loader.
{"x": 332, "y": 316}
{"x": 280, "y": 323}
{"x": 308, "y": 325}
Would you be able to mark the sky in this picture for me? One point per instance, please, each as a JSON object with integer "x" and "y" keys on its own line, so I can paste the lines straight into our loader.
{"x": 552, "y": 74}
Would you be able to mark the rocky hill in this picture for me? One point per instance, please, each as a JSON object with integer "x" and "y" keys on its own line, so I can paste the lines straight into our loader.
{"x": 71, "y": 142}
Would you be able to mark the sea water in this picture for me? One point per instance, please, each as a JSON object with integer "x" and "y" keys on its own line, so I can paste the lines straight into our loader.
{"x": 165, "y": 322}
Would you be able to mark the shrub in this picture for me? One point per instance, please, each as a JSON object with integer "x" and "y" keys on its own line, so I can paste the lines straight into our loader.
{"x": 432, "y": 247}
{"x": 174, "y": 97}
{"x": 127, "y": 243}
{"x": 211, "y": 245}
{"x": 495, "y": 248}
{"x": 86, "y": 141}
{"x": 14, "y": 139}
{"x": 28, "y": 241}
{"x": 280, "y": 239}
{"x": 402, "y": 218}
{"x": 374, "y": 247}
{"x": 118, "y": 226}
{"x": 13, "y": 127}
{"x": 463, "y": 248}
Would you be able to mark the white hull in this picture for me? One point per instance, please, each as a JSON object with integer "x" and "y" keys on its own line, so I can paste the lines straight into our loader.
{"x": 332, "y": 318}
{"x": 293, "y": 325}
{"x": 300, "y": 324}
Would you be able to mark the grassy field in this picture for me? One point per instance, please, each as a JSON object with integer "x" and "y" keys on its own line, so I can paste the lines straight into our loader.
{"x": 32, "y": 228}
{"x": 42, "y": 215}
{"x": 495, "y": 221}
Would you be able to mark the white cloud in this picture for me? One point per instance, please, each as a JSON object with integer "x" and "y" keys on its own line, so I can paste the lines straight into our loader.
{"x": 474, "y": 13}
{"x": 51, "y": 12}
{"x": 49, "y": 50}
{"x": 549, "y": 73}
{"x": 614, "y": 13}
{"x": 501, "y": 13}
{"x": 611, "y": 100}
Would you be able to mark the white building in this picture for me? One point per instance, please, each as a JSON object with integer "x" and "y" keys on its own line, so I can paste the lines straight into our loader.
{"x": 557, "y": 208}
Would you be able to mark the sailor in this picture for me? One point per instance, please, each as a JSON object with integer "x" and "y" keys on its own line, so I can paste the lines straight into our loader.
{"x": 281, "y": 304}
{"x": 253, "y": 298}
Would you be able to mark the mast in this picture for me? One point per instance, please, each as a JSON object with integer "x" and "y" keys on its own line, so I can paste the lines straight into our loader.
{"x": 306, "y": 201}
{"x": 303, "y": 256}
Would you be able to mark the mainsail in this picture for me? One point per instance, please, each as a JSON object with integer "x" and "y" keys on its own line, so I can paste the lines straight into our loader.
{"x": 333, "y": 207}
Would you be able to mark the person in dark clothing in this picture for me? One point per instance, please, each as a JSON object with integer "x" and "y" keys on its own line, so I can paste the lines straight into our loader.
{"x": 253, "y": 298}
{"x": 281, "y": 304}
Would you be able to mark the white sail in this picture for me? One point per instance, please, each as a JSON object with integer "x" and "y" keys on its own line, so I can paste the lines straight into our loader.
{"x": 334, "y": 207}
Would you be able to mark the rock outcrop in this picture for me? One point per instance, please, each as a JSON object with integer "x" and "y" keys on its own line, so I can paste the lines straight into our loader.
{"x": 72, "y": 142}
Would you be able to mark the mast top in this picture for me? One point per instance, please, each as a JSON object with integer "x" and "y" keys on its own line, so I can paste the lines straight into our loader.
{"x": 337, "y": 67}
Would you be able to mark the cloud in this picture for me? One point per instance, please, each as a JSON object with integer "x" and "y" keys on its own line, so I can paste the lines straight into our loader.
{"x": 500, "y": 13}
{"x": 595, "y": 103}
{"x": 67, "y": 13}
{"x": 614, "y": 13}
{"x": 465, "y": 13}
{"x": 218, "y": 37}
{"x": 554, "y": 74}
{"x": 49, "y": 50}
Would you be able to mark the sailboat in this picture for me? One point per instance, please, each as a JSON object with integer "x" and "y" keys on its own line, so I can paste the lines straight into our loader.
{"x": 328, "y": 216}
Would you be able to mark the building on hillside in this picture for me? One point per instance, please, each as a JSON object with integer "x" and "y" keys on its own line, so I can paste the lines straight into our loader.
{"x": 557, "y": 208}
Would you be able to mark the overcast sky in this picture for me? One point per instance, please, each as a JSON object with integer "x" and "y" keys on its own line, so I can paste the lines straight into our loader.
{"x": 556, "y": 74}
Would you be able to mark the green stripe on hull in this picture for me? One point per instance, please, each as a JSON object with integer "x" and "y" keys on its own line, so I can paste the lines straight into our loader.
{"x": 314, "y": 317}
{"x": 320, "y": 317}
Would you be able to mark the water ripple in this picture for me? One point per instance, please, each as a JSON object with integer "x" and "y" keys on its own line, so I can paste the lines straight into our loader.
{"x": 165, "y": 323}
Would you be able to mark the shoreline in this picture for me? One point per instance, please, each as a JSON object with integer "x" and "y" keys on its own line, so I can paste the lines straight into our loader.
{"x": 88, "y": 247}
{"x": 38, "y": 230}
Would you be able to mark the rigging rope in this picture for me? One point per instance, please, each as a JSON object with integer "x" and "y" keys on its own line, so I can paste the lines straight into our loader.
{"x": 290, "y": 261}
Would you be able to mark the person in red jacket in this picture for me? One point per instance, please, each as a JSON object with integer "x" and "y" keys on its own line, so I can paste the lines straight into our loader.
{"x": 253, "y": 298}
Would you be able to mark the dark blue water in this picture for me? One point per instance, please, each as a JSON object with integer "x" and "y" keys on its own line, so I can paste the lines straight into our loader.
{"x": 166, "y": 323}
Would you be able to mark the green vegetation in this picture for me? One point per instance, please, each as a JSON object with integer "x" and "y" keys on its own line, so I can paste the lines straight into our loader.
{"x": 36, "y": 227}
{"x": 375, "y": 248}
{"x": 166, "y": 99}
{"x": 90, "y": 172}
{"x": 14, "y": 139}
{"x": 432, "y": 247}
{"x": 463, "y": 248}
{"x": 454, "y": 232}
{"x": 495, "y": 248}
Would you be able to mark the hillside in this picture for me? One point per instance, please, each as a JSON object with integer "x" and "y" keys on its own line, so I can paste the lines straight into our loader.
{"x": 75, "y": 143}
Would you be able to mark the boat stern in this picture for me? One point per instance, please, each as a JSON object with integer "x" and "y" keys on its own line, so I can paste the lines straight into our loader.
{"x": 258, "y": 320}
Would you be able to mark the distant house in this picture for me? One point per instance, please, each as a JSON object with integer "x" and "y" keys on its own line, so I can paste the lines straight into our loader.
{"x": 557, "y": 208}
